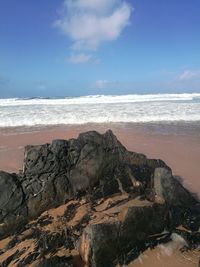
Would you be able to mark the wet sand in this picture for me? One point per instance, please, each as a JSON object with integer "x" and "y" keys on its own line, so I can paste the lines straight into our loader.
{"x": 177, "y": 145}
{"x": 168, "y": 255}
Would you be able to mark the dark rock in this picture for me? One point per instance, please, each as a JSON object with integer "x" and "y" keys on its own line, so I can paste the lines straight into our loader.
{"x": 43, "y": 159}
{"x": 56, "y": 261}
{"x": 170, "y": 190}
{"x": 70, "y": 211}
{"x": 45, "y": 220}
{"x": 191, "y": 218}
{"x": 192, "y": 239}
{"x": 100, "y": 244}
{"x": 140, "y": 222}
{"x": 12, "y": 210}
{"x": 106, "y": 244}
{"x": 94, "y": 168}
{"x": 50, "y": 242}
{"x": 28, "y": 260}
{"x": 54, "y": 173}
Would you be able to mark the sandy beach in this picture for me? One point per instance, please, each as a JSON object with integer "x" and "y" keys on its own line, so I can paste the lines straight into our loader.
{"x": 177, "y": 144}
{"x": 100, "y": 133}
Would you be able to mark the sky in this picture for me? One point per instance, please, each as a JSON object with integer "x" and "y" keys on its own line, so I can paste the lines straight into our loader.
{"x": 88, "y": 47}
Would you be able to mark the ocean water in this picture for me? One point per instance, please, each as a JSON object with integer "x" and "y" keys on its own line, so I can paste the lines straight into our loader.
{"x": 100, "y": 109}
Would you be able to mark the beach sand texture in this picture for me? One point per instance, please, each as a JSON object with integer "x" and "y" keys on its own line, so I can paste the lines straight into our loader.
{"x": 178, "y": 146}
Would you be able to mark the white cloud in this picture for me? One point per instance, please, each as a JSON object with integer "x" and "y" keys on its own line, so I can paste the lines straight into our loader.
{"x": 188, "y": 75}
{"x": 79, "y": 58}
{"x": 89, "y": 23}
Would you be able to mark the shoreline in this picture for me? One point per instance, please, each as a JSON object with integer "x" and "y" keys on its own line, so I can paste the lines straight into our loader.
{"x": 174, "y": 127}
{"x": 177, "y": 144}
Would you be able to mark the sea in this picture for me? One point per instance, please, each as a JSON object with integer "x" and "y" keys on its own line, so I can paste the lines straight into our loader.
{"x": 132, "y": 108}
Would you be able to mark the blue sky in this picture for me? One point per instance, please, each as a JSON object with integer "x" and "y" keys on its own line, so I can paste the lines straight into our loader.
{"x": 81, "y": 47}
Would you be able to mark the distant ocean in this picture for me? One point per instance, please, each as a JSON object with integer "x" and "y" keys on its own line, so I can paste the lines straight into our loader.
{"x": 100, "y": 109}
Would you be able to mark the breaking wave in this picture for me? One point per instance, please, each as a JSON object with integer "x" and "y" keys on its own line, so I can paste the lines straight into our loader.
{"x": 99, "y": 109}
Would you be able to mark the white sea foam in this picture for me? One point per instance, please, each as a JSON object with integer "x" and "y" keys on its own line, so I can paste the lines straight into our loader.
{"x": 100, "y": 109}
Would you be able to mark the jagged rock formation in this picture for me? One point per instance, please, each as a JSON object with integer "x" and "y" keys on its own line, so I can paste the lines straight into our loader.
{"x": 116, "y": 203}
